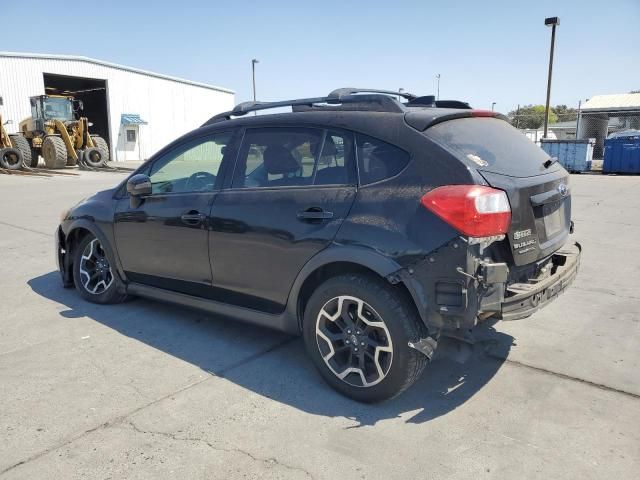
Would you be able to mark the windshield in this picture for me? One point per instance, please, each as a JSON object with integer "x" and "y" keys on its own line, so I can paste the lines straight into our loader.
{"x": 57, "y": 108}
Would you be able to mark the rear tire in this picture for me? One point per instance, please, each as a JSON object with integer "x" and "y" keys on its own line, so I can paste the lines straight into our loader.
{"x": 10, "y": 158}
{"x": 54, "y": 152}
{"x": 93, "y": 276}
{"x": 357, "y": 329}
{"x": 22, "y": 144}
{"x": 102, "y": 145}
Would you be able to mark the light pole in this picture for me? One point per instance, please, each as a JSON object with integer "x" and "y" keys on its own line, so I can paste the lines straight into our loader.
{"x": 553, "y": 22}
{"x": 253, "y": 73}
{"x": 493, "y": 105}
{"x": 438, "y": 89}
{"x": 400, "y": 90}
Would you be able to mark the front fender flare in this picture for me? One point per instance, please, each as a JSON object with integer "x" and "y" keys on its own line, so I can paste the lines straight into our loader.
{"x": 104, "y": 239}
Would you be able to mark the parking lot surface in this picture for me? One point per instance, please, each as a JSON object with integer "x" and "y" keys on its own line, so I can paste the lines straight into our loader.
{"x": 146, "y": 390}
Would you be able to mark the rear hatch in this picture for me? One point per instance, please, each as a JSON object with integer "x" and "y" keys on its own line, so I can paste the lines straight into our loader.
{"x": 539, "y": 196}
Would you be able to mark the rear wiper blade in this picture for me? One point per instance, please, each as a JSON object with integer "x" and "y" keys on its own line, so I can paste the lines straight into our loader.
{"x": 550, "y": 162}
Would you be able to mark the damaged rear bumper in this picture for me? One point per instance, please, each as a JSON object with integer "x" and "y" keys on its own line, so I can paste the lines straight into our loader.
{"x": 524, "y": 299}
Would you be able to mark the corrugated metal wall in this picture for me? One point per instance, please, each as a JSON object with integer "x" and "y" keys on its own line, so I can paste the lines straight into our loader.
{"x": 170, "y": 107}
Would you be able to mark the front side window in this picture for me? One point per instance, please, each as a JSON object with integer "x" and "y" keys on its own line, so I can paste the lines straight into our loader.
{"x": 288, "y": 157}
{"x": 190, "y": 168}
{"x": 378, "y": 160}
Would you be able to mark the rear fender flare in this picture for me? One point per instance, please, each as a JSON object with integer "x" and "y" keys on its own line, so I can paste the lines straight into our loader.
{"x": 383, "y": 266}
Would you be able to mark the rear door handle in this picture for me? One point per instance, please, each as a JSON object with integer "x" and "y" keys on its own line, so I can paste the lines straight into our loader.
{"x": 314, "y": 213}
{"x": 192, "y": 218}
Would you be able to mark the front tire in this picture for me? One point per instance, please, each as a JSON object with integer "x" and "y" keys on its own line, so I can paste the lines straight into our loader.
{"x": 54, "y": 152}
{"x": 93, "y": 276}
{"x": 357, "y": 329}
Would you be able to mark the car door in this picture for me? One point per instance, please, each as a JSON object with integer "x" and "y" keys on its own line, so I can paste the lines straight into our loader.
{"x": 163, "y": 241}
{"x": 292, "y": 187}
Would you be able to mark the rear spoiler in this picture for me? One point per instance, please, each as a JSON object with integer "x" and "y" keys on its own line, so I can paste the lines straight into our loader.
{"x": 423, "y": 119}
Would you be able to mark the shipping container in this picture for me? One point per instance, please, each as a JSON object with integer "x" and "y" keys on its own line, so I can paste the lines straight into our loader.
{"x": 574, "y": 155}
{"x": 622, "y": 154}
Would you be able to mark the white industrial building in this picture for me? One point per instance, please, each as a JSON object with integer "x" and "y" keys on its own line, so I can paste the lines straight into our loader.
{"x": 136, "y": 111}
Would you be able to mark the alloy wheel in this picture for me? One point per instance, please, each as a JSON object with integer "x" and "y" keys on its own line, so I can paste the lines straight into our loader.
{"x": 354, "y": 341}
{"x": 95, "y": 271}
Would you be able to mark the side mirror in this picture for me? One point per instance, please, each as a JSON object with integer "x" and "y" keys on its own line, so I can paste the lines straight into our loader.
{"x": 138, "y": 187}
{"x": 33, "y": 102}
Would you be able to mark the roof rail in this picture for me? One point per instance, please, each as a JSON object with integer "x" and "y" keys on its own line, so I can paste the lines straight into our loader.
{"x": 341, "y": 93}
{"x": 374, "y": 100}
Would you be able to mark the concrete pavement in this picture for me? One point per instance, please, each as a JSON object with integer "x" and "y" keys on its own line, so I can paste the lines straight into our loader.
{"x": 145, "y": 390}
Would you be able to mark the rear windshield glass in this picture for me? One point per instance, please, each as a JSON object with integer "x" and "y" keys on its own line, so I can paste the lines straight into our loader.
{"x": 491, "y": 145}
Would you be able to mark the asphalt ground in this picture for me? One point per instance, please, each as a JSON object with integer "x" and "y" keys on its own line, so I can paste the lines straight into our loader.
{"x": 146, "y": 390}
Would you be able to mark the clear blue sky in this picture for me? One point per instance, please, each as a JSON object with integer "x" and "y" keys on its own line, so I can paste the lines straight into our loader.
{"x": 486, "y": 51}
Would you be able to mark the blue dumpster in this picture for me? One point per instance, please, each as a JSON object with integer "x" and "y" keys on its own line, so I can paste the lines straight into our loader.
{"x": 622, "y": 153}
{"x": 574, "y": 155}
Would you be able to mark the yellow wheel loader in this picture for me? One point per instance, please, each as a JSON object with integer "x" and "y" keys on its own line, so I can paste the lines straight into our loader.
{"x": 62, "y": 140}
{"x": 14, "y": 149}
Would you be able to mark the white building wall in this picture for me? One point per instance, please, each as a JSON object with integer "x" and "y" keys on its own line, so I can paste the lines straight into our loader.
{"x": 171, "y": 106}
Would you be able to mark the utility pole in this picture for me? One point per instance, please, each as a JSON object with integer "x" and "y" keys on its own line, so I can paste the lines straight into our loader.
{"x": 400, "y": 90}
{"x": 518, "y": 117}
{"x": 253, "y": 74}
{"x": 553, "y": 22}
{"x": 438, "y": 89}
{"x": 578, "y": 119}
{"x": 493, "y": 104}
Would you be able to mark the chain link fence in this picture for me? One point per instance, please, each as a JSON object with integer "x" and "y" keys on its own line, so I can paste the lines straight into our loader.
{"x": 574, "y": 124}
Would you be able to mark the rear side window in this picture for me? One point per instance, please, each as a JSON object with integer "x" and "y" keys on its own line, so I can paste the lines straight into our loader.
{"x": 292, "y": 156}
{"x": 378, "y": 160}
{"x": 491, "y": 145}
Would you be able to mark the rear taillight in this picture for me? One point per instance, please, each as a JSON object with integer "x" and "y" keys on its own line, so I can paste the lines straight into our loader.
{"x": 473, "y": 210}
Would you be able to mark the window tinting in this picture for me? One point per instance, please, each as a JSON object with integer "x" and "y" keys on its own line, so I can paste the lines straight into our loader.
{"x": 287, "y": 157}
{"x": 190, "y": 168}
{"x": 492, "y": 145}
{"x": 378, "y": 160}
{"x": 334, "y": 165}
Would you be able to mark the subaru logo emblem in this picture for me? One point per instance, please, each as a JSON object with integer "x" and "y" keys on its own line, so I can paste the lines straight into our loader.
{"x": 563, "y": 189}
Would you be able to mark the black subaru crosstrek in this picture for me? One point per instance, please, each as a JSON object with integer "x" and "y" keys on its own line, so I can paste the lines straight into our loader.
{"x": 372, "y": 225}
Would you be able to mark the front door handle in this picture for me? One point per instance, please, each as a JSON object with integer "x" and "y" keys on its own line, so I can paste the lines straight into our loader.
{"x": 192, "y": 218}
{"x": 314, "y": 213}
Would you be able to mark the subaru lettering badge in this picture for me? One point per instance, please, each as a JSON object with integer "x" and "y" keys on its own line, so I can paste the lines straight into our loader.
{"x": 562, "y": 188}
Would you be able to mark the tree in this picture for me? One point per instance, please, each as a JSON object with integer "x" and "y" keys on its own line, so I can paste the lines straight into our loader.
{"x": 531, "y": 116}
{"x": 564, "y": 113}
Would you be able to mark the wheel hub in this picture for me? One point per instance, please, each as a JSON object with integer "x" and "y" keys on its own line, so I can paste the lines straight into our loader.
{"x": 95, "y": 272}
{"x": 354, "y": 341}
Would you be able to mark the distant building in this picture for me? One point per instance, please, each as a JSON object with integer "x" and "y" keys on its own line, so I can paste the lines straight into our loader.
{"x": 136, "y": 111}
{"x": 567, "y": 130}
{"x": 604, "y": 114}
